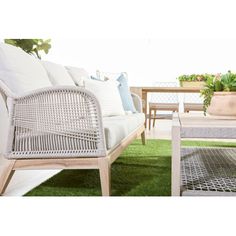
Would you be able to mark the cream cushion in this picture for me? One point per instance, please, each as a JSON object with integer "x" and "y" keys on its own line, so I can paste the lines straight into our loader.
{"x": 4, "y": 123}
{"x": 108, "y": 96}
{"x": 109, "y": 75}
{"x": 58, "y": 75}
{"x": 78, "y": 75}
{"x": 21, "y": 72}
{"x": 118, "y": 127}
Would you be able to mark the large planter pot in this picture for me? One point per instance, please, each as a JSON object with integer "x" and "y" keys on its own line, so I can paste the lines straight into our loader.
{"x": 192, "y": 84}
{"x": 223, "y": 104}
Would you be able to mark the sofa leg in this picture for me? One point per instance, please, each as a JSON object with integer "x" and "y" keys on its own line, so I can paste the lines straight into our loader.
{"x": 105, "y": 175}
{"x": 143, "y": 138}
{"x": 6, "y": 173}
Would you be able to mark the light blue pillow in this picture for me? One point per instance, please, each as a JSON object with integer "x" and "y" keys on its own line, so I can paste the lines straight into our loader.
{"x": 125, "y": 94}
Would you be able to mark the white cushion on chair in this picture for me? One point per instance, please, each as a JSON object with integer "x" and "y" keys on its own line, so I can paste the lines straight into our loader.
{"x": 119, "y": 127}
{"x": 57, "y": 74}
{"x": 78, "y": 75}
{"x": 20, "y": 71}
{"x": 108, "y": 96}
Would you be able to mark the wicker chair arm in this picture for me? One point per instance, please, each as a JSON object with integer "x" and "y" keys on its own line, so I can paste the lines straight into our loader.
{"x": 55, "y": 122}
{"x": 137, "y": 102}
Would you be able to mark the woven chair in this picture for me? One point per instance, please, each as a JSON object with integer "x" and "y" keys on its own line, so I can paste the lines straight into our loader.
{"x": 162, "y": 102}
{"x": 57, "y": 128}
{"x": 46, "y": 126}
{"x": 193, "y": 102}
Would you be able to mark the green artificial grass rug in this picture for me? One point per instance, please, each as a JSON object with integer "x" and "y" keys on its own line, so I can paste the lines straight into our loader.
{"x": 139, "y": 171}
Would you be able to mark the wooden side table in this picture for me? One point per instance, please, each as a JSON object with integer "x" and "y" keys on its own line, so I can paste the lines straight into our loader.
{"x": 199, "y": 126}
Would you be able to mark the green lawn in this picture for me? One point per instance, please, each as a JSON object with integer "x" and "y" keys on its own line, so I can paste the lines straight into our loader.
{"x": 139, "y": 171}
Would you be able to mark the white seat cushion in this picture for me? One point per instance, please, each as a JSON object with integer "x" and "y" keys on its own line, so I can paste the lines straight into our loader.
{"x": 57, "y": 74}
{"x": 20, "y": 71}
{"x": 108, "y": 96}
{"x": 119, "y": 127}
{"x": 78, "y": 75}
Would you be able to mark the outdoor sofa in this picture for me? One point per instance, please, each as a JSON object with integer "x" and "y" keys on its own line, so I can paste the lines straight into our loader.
{"x": 50, "y": 120}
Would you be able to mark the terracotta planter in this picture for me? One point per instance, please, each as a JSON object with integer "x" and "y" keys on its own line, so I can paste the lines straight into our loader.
{"x": 192, "y": 84}
{"x": 223, "y": 104}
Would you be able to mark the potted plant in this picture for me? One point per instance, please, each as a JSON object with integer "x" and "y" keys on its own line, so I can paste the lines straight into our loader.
{"x": 220, "y": 95}
{"x": 194, "y": 80}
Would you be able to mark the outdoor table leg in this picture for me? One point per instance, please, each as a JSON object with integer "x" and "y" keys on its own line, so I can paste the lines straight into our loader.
{"x": 176, "y": 157}
{"x": 144, "y": 100}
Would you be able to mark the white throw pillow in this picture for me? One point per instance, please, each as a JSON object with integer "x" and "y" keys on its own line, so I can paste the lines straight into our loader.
{"x": 57, "y": 74}
{"x": 78, "y": 75}
{"x": 109, "y": 75}
{"x": 108, "y": 96}
{"x": 20, "y": 71}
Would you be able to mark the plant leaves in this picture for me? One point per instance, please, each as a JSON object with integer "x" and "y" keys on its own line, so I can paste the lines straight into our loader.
{"x": 31, "y": 46}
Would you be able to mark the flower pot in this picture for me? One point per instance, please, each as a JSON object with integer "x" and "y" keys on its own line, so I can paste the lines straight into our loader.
{"x": 192, "y": 84}
{"x": 223, "y": 104}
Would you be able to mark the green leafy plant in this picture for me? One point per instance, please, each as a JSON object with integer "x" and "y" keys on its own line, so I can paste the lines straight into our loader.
{"x": 31, "y": 46}
{"x": 228, "y": 81}
{"x": 207, "y": 93}
{"x": 194, "y": 78}
{"x": 218, "y": 83}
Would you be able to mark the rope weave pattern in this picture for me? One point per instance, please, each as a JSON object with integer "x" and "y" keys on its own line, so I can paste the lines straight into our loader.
{"x": 209, "y": 169}
{"x": 57, "y": 123}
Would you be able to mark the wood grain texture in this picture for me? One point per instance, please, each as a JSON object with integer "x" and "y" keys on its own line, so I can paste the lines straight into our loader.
{"x": 6, "y": 173}
{"x": 66, "y": 163}
{"x": 105, "y": 175}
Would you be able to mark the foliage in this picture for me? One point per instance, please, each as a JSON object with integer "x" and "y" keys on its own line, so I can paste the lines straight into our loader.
{"x": 218, "y": 83}
{"x": 228, "y": 81}
{"x": 195, "y": 77}
{"x": 31, "y": 46}
{"x": 207, "y": 94}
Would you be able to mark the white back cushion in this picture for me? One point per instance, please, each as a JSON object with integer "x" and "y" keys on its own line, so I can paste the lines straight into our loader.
{"x": 78, "y": 75}
{"x": 108, "y": 96}
{"x": 109, "y": 75}
{"x": 57, "y": 74}
{"x": 20, "y": 71}
{"x": 4, "y": 123}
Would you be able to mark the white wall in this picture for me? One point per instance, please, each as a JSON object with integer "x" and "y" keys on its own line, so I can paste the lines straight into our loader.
{"x": 201, "y": 35}
{"x": 146, "y": 60}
